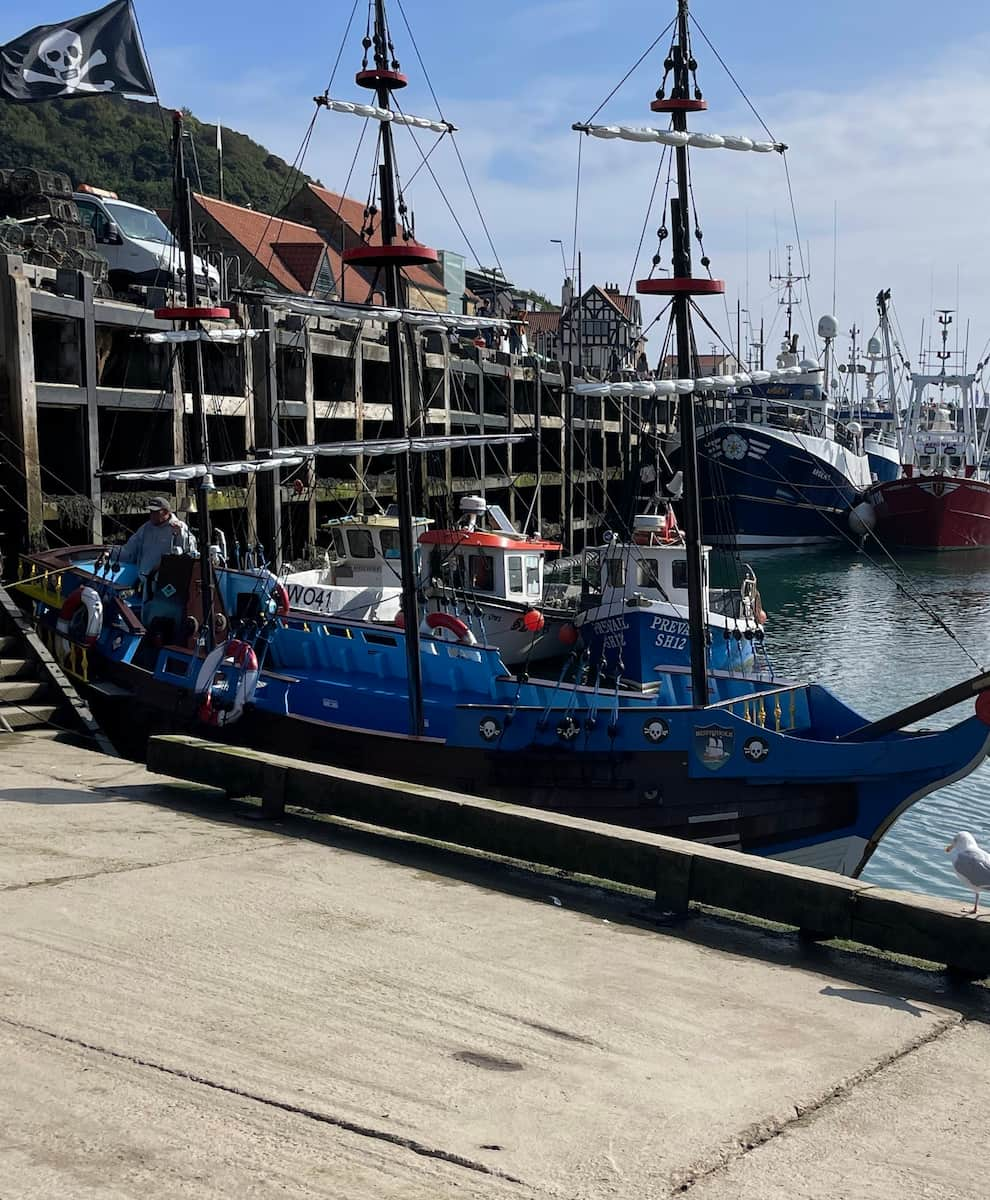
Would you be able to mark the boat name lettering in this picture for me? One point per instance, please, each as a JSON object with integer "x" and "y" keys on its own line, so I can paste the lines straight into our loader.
{"x": 670, "y": 641}
{"x": 308, "y": 597}
{"x": 612, "y": 625}
{"x": 669, "y": 625}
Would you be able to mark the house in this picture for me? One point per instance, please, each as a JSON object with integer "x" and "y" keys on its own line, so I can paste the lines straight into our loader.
{"x": 268, "y": 251}
{"x": 338, "y": 220}
{"x": 707, "y": 364}
{"x": 604, "y": 328}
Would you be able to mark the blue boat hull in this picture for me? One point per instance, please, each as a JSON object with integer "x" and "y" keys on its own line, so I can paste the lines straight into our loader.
{"x": 772, "y": 491}
{"x": 637, "y": 645}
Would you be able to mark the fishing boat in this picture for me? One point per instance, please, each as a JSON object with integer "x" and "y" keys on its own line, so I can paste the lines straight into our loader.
{"x": 482, "y": 571}
{"x": 942, "y": 499}
{"x": 780, "y": 768}
{"x": 775, "y": 465}
{"x": 627, "y": 600}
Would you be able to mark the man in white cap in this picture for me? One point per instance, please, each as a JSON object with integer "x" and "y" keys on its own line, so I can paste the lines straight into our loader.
{"x": 163, "y": 533}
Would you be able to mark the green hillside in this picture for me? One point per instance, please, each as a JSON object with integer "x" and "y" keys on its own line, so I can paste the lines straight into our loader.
{"x": 124, "y": 145}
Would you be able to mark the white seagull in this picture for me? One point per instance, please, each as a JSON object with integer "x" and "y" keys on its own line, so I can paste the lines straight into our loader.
{"x": 970, "y": 863}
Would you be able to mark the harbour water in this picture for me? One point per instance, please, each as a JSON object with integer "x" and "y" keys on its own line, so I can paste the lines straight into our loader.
{"x": 849, "y": 621}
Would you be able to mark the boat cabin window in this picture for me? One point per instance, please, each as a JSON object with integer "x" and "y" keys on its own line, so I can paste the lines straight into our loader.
{"x": 678, "y": 573}
{"x": 481, "y": 572}
{"x": 338, "y": 542}
{"x": 360, "y": 543}
{"x": 533, "y": 575}
{"x": 390, "y": 543}
{"x": 514, "y": 573}
{"x": 648, "y": 573}
{"x": 617, "y": 572}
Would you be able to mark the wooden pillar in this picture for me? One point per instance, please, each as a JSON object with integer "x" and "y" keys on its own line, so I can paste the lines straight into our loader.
{"x": 448, "y": 461}
{"x": 510, "y": 406}
{"x": 265, "y": 398}
{"x": 90, "y": 381}
{"x": 567, "y": 459}
{"x": 178, "y": 424}
{"x": 358, "y": 384}
{"x": 310, "y": 399}
{"x": 23, "y": 510}
{"x": 251, "y": 495}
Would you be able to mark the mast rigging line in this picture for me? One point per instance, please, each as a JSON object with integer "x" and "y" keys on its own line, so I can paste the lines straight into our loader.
{"x": 649, "y": 50}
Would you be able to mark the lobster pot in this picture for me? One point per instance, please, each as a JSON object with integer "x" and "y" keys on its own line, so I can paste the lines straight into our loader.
{"x": 28, "y": 181}
{"x": 55, "y": 207}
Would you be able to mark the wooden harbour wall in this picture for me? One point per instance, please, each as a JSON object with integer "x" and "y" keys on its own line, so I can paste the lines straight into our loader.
{"x": 80, "y": 391}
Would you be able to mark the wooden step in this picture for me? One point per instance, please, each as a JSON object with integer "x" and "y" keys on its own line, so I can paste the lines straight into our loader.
{"x": 15, "y": 668}
{"x": 19, "y": 690}
{"x": 27, "y": 716}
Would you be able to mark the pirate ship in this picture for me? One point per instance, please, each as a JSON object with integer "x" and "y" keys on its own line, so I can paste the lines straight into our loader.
{"x": 779, "y": 768}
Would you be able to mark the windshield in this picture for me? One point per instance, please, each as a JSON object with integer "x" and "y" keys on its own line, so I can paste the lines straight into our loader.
{"x": 140, "y": 223}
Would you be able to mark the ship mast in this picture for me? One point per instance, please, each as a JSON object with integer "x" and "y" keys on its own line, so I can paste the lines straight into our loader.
{"x": 191, "y": 315}
{"x": 397, "y": 250}
{"x": 681, "y": 287}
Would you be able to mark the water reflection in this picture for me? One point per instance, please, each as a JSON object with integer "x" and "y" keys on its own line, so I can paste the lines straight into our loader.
{"x": 851, "y": 621}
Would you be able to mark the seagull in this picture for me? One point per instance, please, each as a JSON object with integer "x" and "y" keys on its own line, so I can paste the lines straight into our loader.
{"x": 970, "y": 863}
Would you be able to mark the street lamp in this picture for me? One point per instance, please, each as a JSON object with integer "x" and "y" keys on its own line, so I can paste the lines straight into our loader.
{"x": 563, "y": 261}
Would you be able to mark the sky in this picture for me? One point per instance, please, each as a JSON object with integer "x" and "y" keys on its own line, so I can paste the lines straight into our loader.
{"x": 884, "y": 105}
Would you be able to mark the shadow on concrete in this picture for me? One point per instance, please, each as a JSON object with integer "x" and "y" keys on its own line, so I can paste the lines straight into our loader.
{"x": 883, "y": 999}
{"x": 54, "y": 796}
{"x": 875, "y": 979}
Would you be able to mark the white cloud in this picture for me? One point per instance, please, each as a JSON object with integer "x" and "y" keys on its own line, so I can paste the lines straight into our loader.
{"x": 903, "y": 158}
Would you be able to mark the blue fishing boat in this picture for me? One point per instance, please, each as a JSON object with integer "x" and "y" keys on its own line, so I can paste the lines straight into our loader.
{"x": 779, "y": 768}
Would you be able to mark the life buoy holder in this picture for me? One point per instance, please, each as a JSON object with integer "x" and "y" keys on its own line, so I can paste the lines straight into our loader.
{"x": 89, "y": 599}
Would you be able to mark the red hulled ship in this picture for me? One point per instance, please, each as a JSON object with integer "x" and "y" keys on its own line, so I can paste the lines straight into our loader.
{"x": 942, "y": 500}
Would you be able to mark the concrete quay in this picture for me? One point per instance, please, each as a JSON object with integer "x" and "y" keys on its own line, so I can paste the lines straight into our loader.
{"x": 196, "y": 1004}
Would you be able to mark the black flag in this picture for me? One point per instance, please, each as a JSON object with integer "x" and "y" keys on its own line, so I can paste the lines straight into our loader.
{"x": 83, "y": 56}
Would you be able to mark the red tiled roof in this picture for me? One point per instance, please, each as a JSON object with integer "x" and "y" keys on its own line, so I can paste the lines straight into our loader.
{"x": 545, "y": 320}
{"x": 262, "y": 235}
{"x": 302, "y": 259}
{"x": 623, "y": 303}
{"x": 351, "y": 212}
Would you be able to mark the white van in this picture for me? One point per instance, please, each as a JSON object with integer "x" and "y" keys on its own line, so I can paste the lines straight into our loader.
{"x": 138, "y": 245}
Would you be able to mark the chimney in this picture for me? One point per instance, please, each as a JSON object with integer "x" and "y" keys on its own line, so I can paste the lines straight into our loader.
{"x": 567, "y": 292}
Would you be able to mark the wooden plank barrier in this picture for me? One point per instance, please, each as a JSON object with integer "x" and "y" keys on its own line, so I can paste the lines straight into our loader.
{"x": 678, "y": 872}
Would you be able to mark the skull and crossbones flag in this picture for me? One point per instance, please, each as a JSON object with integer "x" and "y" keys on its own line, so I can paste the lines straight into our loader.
{"x": 83, "y": 56}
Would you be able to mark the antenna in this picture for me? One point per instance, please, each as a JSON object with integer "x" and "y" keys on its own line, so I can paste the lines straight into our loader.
{"x": 788, "y": 299}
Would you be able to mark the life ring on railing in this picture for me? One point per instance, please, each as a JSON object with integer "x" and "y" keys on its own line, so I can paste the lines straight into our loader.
{"x": 229, "y": 673}
{"x": 88, "y": 599}
{"x": 280, "y": 594}
{"x": 442, "y": 620}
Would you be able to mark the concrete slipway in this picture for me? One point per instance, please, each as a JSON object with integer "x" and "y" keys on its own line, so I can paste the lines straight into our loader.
{"x": 196, "y": 1005}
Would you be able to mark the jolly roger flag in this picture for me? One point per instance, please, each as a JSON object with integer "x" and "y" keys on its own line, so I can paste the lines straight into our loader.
{"x": 83, "y": 56}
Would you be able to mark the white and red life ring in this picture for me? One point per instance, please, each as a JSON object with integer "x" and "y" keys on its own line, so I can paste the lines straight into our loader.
{"x": 442, "y": 620}
{"x": 88, "y": 599}
{"x": 240, "y": 655}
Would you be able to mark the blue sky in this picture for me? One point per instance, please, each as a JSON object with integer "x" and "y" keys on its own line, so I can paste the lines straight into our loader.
{"x": 885, "y": 105}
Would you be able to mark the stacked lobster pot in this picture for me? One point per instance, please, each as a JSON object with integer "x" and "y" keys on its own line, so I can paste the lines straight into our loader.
{"x": 39, "y": 221}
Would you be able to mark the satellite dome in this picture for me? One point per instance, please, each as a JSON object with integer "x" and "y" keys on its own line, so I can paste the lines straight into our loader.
{"x": 828, "y": 327}
{"x": 873, "y": 347}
